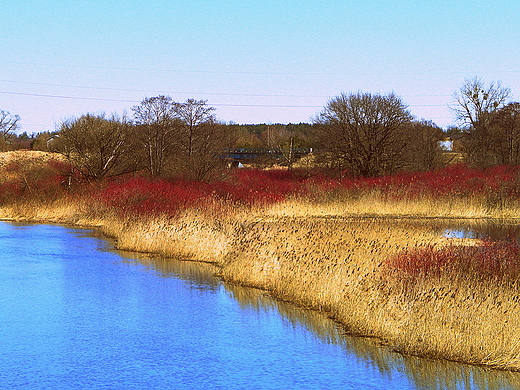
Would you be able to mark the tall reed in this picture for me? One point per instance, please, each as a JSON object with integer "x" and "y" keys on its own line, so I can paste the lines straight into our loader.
{"x": 320, "y": 243}
{"x": 352, "y": 269}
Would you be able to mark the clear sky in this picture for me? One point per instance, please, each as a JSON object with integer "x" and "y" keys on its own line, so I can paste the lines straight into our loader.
{"x": 270, "y": 61}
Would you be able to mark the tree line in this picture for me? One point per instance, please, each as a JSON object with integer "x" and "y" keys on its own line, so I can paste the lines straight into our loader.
{"x": 164, "y": 138}
{"x": 359, "y": 134}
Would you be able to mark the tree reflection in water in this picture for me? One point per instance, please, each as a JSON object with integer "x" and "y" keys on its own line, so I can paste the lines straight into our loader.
{"x": 424, "y": 373}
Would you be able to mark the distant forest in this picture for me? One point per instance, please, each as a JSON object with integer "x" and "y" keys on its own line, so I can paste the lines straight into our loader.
{"x": 357, "y": 134}
{"x": 248, "y": 136}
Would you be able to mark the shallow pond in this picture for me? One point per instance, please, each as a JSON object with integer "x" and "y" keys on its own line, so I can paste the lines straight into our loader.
{"x": 482, "y": 230}
{"x": 76, "y": 315}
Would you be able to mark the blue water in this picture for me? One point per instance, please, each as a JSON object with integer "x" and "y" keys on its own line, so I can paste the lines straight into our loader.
{"x": 76, "y": 315}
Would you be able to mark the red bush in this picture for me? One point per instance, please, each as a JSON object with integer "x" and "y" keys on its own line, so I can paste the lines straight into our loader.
{"x": 148, "y": 196}
{"x": 491, "y": 260}
{"x": 258, "y": 186}
{"x": 44, "y": 182}
{"x": 452, "y": 181}
{"x": 254, "y": 186}
{"x": 144, "y": 196}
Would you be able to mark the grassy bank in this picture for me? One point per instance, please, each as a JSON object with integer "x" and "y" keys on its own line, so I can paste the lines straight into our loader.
{"x": 353, "y": 249}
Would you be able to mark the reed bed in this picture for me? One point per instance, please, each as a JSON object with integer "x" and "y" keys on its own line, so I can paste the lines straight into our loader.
{"x": 333, "y": 265}
{"x": 354, "y": 250}
{"x": 372, "y": 204}
{"x": 189, "y": 236}
{"x": 469, "y": 293}
{"x": 353, "y": 270}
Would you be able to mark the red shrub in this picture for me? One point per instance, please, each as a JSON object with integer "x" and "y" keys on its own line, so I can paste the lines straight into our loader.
{"x": 491, "y": 260}
{"x": 259, "y": 186}
{"x": 254, "y": 186}
{"x": 144, "y": 196}
{"x": 147, "y": 196}
{"x": 453, "y": 181}
{"x": 11, "y": 191}
{"x": 38, "y": 181}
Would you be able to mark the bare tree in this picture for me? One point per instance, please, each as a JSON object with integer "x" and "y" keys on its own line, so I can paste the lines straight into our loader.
{"x": 280, "y": 143}
{"x": 181, "y": 139}
{"x": 505, "y": 127}
{"x": 157, "y": 128}
{"x": 474, "y": 105}
{"x": 201, "y": 141}
{"x": 363, "y": 133}
{"x": 474, "y": 101}
{"x": 423, "y": 152}
{"x": 8, "y": 125}
{"x": 98, "y": 147}
{"x": 195, "y": 116}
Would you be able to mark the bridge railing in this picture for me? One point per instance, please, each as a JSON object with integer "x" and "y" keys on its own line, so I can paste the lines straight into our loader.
{"x": 263, "y": 154}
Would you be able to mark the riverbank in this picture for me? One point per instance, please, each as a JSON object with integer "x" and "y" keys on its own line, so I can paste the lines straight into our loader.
{"x": 371, "y": 256}
{"x": 336, "y": 264}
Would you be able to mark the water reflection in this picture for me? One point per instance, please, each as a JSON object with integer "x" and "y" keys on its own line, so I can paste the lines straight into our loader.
{"x": 425, "y": 374}
{"x": 452, "y": 376}
{"x": 459, "y": 233}
{"x": 76, "y": 315}
{"x": 480, "y": 229}
{"x": 195, "y": 274}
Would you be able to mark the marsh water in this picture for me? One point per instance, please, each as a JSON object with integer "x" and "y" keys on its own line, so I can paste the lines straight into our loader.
{"x": 74, "y": 314}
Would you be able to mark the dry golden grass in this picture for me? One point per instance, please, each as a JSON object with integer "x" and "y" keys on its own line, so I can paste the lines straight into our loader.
{"x": 28, "y": 157}
{"x": 62, "y": 211}
{"x": 322, "y": 263}
{"x": 372, "y": 204}
{"x": 189, "y": 236}
{"x": 336, "y": 266}
{"x": 459, "y": 321}
{"x": 330, "y": 256}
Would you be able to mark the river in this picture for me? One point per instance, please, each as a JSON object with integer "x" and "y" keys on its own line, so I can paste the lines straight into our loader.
{"x": 75, "y": 314}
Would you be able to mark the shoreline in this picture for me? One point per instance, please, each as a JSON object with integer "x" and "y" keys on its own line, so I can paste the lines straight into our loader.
{"x": 273, "y": 254}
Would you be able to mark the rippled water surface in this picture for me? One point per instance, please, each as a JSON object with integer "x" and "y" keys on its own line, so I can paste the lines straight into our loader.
{"x": 76, "y": 315}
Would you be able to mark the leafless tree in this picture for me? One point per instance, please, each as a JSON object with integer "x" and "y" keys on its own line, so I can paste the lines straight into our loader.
{"x": 474, "y": 105}
{"x": 98, "y": 147}
{"x": 505, "y": 127}
{"x": 281, "y": 141}
{"x": 201, "y": 141}
{"x": 474, "y": 101}
{"x": 363, "y": 132}
{"x": 423, "y": 152}
{"x": 8, "y": 125}
{"x": 181, "y": 139}
{"x": 196, "y": 117}
{"x": 157, "y": 128}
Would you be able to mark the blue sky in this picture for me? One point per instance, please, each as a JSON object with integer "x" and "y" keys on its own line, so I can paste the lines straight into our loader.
{"x": 255, "y": 61}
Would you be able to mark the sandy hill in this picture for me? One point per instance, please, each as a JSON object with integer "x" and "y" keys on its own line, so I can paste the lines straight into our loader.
{"x": 28, "y": 157}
